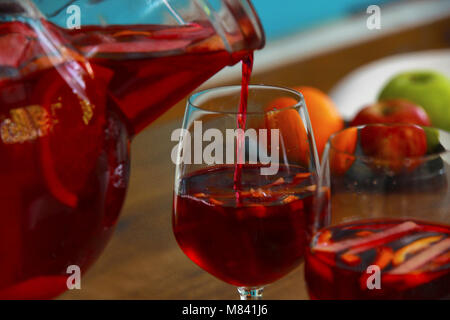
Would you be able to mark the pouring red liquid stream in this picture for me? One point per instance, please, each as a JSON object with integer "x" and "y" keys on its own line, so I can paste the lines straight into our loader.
{"x": 247, "y": 66}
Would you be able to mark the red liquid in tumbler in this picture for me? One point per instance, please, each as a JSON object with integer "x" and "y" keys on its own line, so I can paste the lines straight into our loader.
{"x": 413, "y": 257}
{"x": 250, "y": 243}
{"x": 65, "y": 159}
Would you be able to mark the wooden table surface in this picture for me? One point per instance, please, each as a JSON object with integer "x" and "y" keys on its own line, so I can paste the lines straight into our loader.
{"x": 142, "y": 260}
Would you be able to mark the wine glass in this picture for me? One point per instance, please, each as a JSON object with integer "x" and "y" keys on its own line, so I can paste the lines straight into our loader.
{"x": 245, "y": 222}
{"x": 387, "y": 232}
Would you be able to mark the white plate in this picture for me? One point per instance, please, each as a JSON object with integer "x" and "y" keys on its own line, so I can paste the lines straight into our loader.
{"x": 362, "y": 86}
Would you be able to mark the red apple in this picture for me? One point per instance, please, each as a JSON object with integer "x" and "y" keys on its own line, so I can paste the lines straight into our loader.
{"x": 392, "y": 111}
{"x": 394, "y": 147}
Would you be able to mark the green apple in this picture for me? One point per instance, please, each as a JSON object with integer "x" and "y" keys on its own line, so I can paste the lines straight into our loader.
{"x": 429, "y": 89}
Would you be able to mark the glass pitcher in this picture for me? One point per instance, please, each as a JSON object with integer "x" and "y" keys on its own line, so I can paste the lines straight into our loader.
{"x": 73, "y": 91}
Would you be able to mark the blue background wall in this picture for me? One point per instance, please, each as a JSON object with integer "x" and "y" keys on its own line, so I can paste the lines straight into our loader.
{"x": 284, "y": 17}
{"x": 279, "y": 17}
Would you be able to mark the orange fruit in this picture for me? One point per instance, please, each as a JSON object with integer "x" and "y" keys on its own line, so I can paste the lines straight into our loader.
{"x": 324, "y": 116}
{"x": 293, "y": 137}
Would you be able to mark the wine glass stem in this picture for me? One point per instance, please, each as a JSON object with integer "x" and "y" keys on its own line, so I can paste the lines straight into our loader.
{"x": 251, "y": 293}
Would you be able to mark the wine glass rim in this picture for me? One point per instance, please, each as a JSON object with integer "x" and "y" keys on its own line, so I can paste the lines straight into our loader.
{"x": 193, "y": 97}
{"x": 426, "y": 157}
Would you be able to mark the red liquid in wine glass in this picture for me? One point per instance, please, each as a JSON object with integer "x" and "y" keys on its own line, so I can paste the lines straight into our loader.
{"x": 252, "y": 243}
{"x": 413, "y": 257}
{"x": 65, "y": 158}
